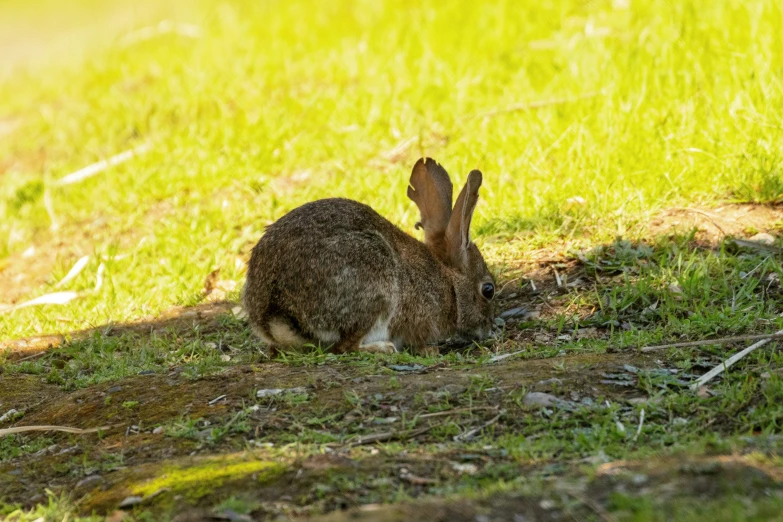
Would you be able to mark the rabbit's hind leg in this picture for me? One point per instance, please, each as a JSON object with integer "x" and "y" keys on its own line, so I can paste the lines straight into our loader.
{"x": 353, "y": 343}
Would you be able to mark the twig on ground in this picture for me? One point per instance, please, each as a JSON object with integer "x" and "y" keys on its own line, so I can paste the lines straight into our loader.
{"x": 418, "y": 481}
{"x": 452, "y": 412}
{"x": 721, "y": 340}
{"x": 639, "y": 429}
{"x": 389, "y": 435}
{"x": 710, "y": 217}
{"x": 472, "y": 433}
{"x": 66, "y": 429}
{"x": 33, "y": 356}
{"x": 704, "y": 379}
{"x": 217, "y": 399}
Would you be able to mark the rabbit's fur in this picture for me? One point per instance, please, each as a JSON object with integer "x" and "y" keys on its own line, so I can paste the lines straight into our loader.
{"x": 335, "y": 272}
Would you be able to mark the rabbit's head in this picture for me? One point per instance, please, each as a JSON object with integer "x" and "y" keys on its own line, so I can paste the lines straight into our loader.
{"x": 447, "y": 235}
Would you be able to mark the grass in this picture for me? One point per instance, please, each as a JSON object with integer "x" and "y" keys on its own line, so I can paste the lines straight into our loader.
{"x": 587, "y": 120}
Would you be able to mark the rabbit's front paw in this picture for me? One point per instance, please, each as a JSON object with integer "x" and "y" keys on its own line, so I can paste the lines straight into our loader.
{"x": 378, "y": 347}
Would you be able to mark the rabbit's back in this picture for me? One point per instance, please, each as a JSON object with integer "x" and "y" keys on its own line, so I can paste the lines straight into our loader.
{"x": 326, "y": 271}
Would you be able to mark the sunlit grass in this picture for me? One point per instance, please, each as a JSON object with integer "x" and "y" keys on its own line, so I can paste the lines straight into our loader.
{"x": 274, "y": 104}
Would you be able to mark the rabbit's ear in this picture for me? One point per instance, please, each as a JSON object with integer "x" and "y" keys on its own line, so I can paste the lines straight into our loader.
{"x": 458, "y": 232}
{"x": 430, "y": 188}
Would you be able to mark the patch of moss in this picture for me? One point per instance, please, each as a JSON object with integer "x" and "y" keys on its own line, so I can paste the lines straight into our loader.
{"x": 200, "y": 480}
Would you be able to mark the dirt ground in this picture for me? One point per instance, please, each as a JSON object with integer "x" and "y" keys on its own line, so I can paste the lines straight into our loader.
{"x": 365, "y": 440}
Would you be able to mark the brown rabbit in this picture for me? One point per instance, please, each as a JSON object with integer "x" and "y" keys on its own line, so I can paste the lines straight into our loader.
{"x": 335, "y": 272}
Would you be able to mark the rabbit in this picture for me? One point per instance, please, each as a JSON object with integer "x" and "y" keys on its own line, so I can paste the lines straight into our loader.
{"x": 335, "y": 272}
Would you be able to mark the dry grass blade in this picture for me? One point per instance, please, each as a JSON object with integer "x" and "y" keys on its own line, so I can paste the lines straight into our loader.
{"x": 99, "y": 277}
{"x": 96, "y": 168}
{"x": 57, "y": 298}
{"x": 641, "y": 425}
{"x": 496, "y": 358}
{"x": 704, "y": 379}
{"x": 65, "y": 429}
{"x": 74, "y": 271}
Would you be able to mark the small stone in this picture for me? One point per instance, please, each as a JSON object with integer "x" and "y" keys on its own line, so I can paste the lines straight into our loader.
{"x": 129, "y": 502}
{"x": 468, "y": 469}
{"x": 541, "y": 338}
{"x": 406, "y": 367}
{"x": 587, "y": 333}
{"x": 277, "y": 391}
{"x": 114, "y": 389}
{"x": 8, "y": 415}
{"x": 453, "y": 389}
{"x": 225, "y": 357}
{"x": 147, "y": 372}
{"x": 90, "y": 481}
{"x": 500, "y": 322}
{"x": 764, "y": 238}
{"x": 641, "y": 401}
{"x": 549, "y": 383}
{"x": 547, "y": 504}
{"x": 539, "y": 400}
{"x": 158, "y": 430}
{"x": 513, "y": 312}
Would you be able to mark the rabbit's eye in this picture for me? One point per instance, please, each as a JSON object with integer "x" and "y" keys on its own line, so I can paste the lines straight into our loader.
{"x": 488, "y": 291}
